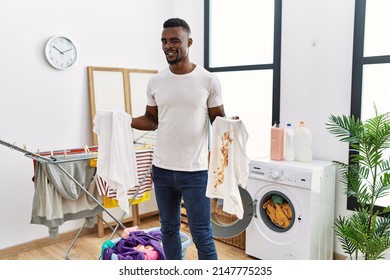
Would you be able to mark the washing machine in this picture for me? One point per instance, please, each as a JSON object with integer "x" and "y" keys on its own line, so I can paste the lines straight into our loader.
{"x": 288, "y": 210}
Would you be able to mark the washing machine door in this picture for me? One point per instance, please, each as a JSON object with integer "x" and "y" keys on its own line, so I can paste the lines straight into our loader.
{"x": 227, "y": 225}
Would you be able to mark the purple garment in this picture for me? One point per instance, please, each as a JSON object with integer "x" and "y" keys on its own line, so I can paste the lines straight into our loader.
{"x": 124, "y": 248}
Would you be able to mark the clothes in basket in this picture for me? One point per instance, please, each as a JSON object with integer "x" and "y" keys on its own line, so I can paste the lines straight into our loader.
{"x": 140, "y": 245}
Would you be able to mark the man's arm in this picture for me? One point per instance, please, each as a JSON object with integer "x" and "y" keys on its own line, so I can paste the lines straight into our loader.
{"x": 149, "y": 121}
{"x": 214, "y": 112}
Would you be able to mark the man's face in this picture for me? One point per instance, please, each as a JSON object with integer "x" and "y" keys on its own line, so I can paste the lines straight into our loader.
{"x": 175, "y": 44}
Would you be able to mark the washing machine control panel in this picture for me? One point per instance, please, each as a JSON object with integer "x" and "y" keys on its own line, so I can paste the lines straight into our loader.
{"x": 282, "y": 175}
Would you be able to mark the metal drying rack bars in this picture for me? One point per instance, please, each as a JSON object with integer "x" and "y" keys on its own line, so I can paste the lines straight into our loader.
{"x": 71, "y": 155}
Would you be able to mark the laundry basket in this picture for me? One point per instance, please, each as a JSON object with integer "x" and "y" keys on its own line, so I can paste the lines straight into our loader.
{"x": 185, "y": 239}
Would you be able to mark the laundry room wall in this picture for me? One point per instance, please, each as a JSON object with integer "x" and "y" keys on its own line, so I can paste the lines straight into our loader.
{"x": 316, "y": 72}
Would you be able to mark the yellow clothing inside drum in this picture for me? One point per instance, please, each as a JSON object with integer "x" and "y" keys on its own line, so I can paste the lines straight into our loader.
{"x": 280, "y": 214}
{"x": 286, "y": 208}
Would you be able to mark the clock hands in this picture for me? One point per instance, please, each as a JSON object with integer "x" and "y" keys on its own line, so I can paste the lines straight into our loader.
{"x": 54, "y": 47}
{"x": 62, "y": 52}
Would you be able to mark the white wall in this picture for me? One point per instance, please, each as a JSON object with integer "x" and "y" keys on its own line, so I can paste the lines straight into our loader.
{"x": 48, "y": 109}
{"x": 316, "y": 69}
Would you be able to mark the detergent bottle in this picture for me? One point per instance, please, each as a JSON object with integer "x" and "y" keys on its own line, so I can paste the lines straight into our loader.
{"x": 302, "y": 143}
{"x": 277, "y": 142}
{"x": 289, "y": 149}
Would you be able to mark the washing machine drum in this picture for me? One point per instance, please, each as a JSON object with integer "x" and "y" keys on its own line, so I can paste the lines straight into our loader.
{"x": 227, "y": 225}
{"x": 277, "y": 211}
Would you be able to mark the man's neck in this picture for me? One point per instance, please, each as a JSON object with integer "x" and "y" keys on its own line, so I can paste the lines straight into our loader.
{"x": 182, "y": 68}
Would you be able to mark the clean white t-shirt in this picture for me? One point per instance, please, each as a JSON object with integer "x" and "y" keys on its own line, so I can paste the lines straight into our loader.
{"x": 116, "y": 156}
{"x": 183, "y": 102}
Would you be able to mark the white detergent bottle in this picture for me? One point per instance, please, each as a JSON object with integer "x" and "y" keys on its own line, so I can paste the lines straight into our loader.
{"x": 289, "y": 149}
{"x": 302, "y": 143}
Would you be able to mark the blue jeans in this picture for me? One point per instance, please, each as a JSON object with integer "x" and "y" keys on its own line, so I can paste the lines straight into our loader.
{"x": 170, "y": 187}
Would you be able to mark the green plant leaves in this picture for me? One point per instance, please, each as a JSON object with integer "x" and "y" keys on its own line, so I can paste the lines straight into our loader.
{"x": 367, "y": 178}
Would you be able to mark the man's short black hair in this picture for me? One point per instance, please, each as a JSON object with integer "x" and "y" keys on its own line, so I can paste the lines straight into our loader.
{"x": 177, "y": 22}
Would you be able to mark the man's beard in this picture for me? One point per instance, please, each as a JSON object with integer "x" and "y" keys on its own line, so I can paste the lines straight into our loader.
{"x": 173, "y": 62}
{"x": 178, "y": 59}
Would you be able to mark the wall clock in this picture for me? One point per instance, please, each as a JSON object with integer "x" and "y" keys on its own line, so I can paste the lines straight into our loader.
{"x": 60, "y": 52}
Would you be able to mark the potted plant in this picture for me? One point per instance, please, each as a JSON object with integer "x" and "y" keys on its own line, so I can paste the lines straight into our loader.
{"x": 365, "y": 234}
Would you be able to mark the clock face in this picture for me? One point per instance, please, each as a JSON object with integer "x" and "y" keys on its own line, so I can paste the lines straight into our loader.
{"x": 60, "y": 52}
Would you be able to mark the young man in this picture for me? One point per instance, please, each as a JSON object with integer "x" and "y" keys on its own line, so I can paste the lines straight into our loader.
{"x": 182, "y": 99}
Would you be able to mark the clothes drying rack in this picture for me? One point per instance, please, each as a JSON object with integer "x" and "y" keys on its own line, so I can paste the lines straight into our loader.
{"x": 70, "y": 155}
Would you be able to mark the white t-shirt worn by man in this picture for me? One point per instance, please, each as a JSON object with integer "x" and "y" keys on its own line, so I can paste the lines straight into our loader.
{"x": 183, "y": 102}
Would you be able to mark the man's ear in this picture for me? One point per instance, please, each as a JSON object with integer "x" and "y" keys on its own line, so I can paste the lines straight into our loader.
{"x": 189, "y": 43}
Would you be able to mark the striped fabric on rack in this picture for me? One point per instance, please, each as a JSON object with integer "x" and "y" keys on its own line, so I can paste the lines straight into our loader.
{"x": 144, "y": 164}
